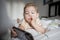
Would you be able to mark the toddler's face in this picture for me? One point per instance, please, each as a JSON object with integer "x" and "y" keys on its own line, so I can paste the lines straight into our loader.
{"x": 30, "y": 13}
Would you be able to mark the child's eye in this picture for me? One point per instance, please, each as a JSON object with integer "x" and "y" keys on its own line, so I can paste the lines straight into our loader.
{"x": 32, "y": 13}
{"x": 26, "y": 13}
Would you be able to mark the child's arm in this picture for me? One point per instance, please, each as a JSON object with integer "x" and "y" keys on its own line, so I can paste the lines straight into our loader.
{"x": 37, "y": 27}
{"x": 21, "y": 27}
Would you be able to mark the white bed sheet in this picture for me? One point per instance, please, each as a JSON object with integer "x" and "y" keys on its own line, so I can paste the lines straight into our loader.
{"x": 51, "y": 35}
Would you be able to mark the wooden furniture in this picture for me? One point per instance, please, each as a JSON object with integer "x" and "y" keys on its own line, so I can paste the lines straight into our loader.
{"x": 56, "y": 10}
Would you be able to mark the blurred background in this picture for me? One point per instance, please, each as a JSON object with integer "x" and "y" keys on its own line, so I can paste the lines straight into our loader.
{"x": 10, "y": 10}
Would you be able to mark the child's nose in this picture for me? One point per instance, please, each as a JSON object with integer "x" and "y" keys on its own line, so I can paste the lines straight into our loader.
{"x": 29, "y": 14}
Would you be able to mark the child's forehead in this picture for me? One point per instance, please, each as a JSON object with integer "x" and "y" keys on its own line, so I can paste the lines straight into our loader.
{"x": 32, "y": 8}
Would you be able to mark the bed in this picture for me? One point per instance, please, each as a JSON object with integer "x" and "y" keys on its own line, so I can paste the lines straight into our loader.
{"x": 53, "y": 25}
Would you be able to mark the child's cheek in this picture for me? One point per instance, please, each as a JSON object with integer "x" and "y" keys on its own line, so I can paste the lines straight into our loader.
{"x": 34, "y": 17}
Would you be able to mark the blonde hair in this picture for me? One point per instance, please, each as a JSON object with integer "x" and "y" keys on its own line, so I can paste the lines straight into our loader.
{"x": 30, "y": 4}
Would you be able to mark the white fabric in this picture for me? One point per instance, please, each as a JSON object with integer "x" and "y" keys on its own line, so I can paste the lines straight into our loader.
{"x": 36, "y": 35}
{"x": 45, "y": 23}
{"x": 15, "y": 39}
{"x": 16, "y": 25}
{"x": 51, "y": 35}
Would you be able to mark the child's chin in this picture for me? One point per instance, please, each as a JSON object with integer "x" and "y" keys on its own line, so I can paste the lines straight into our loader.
{"x": 29, "y": 21}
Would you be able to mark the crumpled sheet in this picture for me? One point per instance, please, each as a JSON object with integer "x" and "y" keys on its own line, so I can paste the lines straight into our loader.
{"x": 50, "y": 35}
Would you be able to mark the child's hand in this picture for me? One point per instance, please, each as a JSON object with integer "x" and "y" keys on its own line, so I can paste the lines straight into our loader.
{"x": 33, "y": 21}
{"x": 14, "y": 34}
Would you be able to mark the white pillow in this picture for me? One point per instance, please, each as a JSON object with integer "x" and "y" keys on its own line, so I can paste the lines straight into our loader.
{"x": 45, "y": 23}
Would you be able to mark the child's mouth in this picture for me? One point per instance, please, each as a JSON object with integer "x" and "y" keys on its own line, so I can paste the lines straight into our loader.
{"x": 29, "y": 18}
